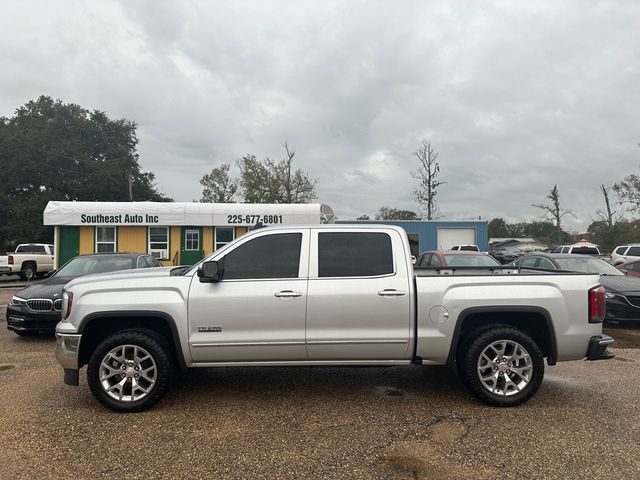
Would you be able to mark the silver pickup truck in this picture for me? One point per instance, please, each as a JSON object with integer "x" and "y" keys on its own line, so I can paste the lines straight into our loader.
{"x": 325, "y": 296}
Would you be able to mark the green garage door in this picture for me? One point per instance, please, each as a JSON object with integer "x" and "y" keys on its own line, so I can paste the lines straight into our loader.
{"x": 69, "y": 244}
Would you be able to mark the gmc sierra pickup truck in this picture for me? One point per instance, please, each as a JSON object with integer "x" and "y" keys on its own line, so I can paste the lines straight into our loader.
{"x": 325, "y": 296}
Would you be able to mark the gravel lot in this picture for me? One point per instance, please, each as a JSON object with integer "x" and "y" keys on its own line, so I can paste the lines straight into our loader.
{"x": 391, "y": 423}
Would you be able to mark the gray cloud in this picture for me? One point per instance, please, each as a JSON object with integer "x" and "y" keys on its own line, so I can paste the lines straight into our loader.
{"x": 516, "y": 97}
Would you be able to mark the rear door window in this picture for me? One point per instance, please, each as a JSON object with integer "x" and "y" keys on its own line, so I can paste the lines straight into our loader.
{"x": 620, "y": 250}
{"x": 634, "y": 251}
{"x": 354, "y": 254}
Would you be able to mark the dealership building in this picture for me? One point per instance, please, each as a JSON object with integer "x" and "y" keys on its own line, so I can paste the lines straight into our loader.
{"x": 182, "y": 233}
{"x": 174, "y": 232}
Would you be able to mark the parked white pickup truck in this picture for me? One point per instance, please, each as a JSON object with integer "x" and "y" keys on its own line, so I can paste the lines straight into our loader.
{"x": 28, "y": 260}
{"x": 325, "y": 296}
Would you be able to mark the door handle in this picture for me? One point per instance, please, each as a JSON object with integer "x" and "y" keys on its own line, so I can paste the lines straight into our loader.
{"x": 390, "y": 292}
{"x": 287, "y": 294}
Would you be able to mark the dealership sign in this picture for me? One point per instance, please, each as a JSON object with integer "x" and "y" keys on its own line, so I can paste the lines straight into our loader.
{"x": 189, "y": 214}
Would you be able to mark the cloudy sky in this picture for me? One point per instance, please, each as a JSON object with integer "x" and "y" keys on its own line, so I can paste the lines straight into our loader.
{"x": 515, "y": 96}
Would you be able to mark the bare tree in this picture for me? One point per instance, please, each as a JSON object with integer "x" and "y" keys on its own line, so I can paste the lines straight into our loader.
{"x": 218, "y": 186}
{"x": 607, "y": 215}
{"x": 427, "y": 173}
{"x": 554, "y": 212}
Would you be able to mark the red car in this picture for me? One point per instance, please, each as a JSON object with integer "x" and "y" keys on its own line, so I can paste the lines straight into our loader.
{"x": 458, "y": 258}
{"x": 631, "y": 269}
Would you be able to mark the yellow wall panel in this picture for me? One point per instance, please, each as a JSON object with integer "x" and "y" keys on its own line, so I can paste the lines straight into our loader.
{"x": 132, "y": 239}
{"x": 207, "y": 240}
{"x": 87, "y": 240}
{"x": 240, "y": 231}
{"x": 174, "y": 245}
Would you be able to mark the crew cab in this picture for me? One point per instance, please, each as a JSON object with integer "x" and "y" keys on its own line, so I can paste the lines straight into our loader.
{"x": 325, "y": 295}
{"x": 28, "y": 260}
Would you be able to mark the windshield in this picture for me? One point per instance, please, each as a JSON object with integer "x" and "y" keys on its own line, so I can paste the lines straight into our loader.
{"x": 81, "y": 266}
{"x": 588, "y": 265}
{"x": 470, "y": 261}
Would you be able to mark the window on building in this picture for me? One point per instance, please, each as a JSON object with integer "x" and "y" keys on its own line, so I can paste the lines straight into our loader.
{"x": 268, "y": 256}
{"x": 192, "y": 239}
{"x": 344, "y": 254}
{"x": 224, "y": 235}
{"x": 159, "y": 242}
{"x": 105, "y": 239}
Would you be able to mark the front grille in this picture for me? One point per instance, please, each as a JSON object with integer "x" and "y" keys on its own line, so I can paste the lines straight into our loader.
{"x": 57, "y": 305}
{"x": 40, "y": 305}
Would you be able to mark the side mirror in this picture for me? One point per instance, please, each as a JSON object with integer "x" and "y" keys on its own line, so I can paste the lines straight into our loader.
{"x": 210, "y": 272}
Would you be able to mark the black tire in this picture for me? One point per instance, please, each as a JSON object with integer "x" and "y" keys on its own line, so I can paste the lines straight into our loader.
{"x": 159, "y": 355}
{"x": 28, "y": 272}
{"x": 512, "y": 395}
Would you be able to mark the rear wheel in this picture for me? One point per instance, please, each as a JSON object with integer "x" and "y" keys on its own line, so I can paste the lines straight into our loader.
{"x": 28, "y": 272}
{"x": 503, "y": 367}
{"x": 129, "y": 371}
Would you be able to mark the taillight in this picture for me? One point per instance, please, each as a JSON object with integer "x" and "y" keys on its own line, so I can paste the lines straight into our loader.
{"x": 597, "y": 305}
{"x": 10, "y": 259}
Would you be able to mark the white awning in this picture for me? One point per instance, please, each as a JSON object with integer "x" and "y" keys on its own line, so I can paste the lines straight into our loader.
{"x": 176, "y": 213}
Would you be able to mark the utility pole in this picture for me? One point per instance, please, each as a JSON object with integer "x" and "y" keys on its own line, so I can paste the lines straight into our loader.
{"x": 130, "y": 187}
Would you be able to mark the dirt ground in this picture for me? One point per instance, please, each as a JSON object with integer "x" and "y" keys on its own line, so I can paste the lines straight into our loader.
{"x": 369, "y": 423}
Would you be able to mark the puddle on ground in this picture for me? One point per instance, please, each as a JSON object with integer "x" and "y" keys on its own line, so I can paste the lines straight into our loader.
{"x": 427, "y": 459}
{"x": 6, "y": 367}
{"x": 390, "y": 392}
{"x": 447, "y": 431}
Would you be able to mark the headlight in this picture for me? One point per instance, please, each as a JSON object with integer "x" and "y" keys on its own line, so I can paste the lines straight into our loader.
{"x": 609, "y": 295}
{"x": 17, "y": 302}
{"x": 67, "y": 303}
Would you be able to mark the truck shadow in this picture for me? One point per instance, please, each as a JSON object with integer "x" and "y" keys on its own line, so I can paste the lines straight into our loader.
{"x": 316, "y": 383}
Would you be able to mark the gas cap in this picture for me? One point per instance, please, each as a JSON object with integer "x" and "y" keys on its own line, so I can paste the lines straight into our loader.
{"x": 438, "y": 315}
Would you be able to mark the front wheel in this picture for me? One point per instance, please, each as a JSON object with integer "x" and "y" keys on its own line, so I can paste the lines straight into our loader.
{"x": 503, "y": 367}
{"x": 129, "y": 371}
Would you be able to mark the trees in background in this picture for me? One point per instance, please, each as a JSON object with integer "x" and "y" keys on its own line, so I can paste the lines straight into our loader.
{"x": 50, "y": 150}
{"x": 260, "y": 181}
{"x": 218, "y": 186}
{"x": 388, "y": 213}
{"x": 542, "y": 231}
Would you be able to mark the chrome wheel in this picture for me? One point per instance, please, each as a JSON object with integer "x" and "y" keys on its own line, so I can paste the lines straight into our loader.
{"x": 128, "y": 373}
{"x": 505, "y": 368}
